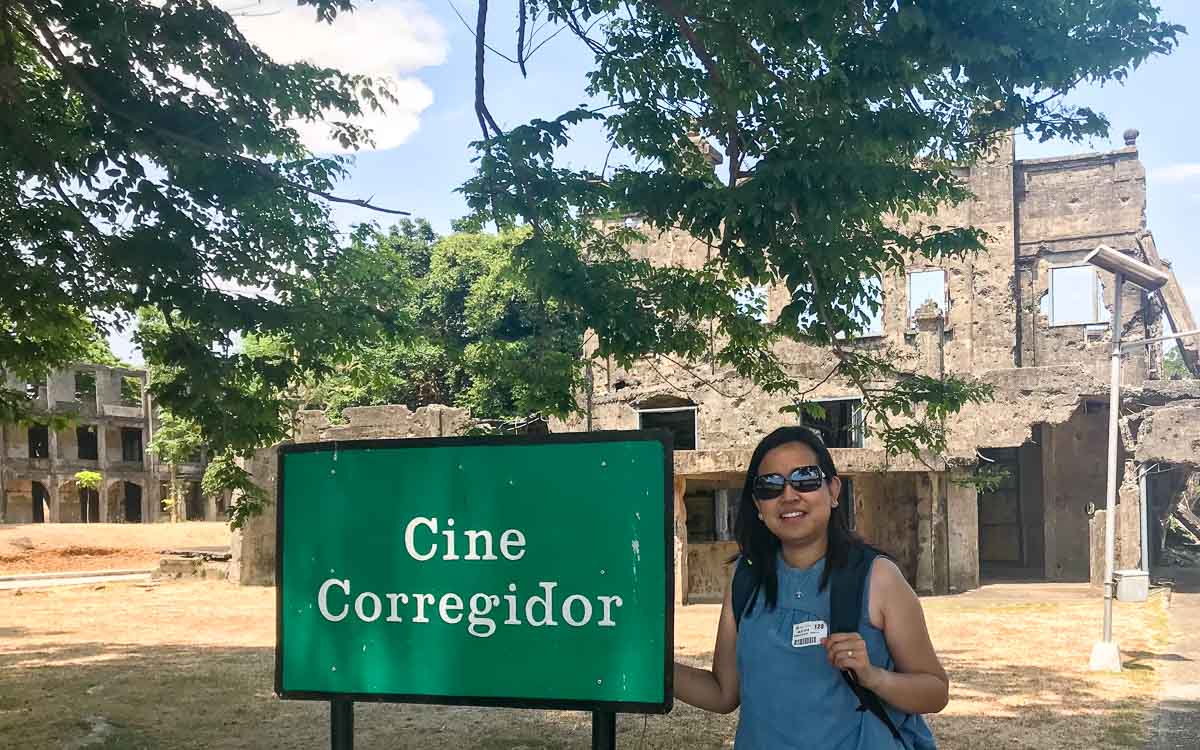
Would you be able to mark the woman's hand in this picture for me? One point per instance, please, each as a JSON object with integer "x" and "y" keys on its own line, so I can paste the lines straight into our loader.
{"x": 849, "y": 651}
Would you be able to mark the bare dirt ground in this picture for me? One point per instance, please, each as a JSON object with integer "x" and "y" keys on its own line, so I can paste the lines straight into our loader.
{"x": 68, "y": 547}
{"x": 189, "y": 665}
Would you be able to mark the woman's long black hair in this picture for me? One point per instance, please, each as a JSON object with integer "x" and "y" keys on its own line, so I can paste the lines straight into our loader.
{"x": 755, "y": 541}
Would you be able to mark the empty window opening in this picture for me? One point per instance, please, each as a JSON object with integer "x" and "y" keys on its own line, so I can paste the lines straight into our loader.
{"x": 677, "y": 416}
{"x": 39, "y": 441}
{"x": 701, "y": 517}
{"x": 131, "y": 445}
{"x": 927, "y": 286}
{"x": 753, "y": 301}
{"x": 839, "y": 423}
{"x": 85, "y": 436}
{"x": 131, "y": 390}
{"x": 85, "y": 386}
{"x": 1076, "y": 297}
{"x": 866, "y": 314}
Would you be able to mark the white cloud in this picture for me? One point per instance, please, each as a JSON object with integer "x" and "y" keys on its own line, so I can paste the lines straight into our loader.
{"x": 385, "y": 39}
{"x": 1176, "y": 172}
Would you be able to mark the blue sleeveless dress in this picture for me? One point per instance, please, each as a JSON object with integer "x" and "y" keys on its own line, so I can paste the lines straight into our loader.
{"x": 792, "y": 698}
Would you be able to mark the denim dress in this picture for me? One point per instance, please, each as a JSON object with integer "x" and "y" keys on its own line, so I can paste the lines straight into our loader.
{"x": 791, "y": 695}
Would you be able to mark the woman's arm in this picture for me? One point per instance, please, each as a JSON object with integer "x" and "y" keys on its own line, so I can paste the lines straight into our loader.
{"x": 919, "y": 685}
{"x": 714, "y": 689}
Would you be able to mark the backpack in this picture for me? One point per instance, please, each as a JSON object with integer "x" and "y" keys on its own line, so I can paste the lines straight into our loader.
{"x": 846, "y": 585}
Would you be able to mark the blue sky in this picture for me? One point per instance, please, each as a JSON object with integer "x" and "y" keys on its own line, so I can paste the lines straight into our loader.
{"x": 424, "y": 149}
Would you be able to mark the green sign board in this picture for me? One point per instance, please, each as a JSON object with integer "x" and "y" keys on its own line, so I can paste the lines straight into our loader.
{"x": 531, "y": 571}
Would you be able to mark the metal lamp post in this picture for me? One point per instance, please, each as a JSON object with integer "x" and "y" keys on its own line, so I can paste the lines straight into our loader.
{"x": 1106, "y": 655}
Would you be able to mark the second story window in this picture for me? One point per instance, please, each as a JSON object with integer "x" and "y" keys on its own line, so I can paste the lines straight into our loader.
{"x": 1075, "y": 297}
{"x": 131, "y": 445}
{"x": 131, "y": 390}
{"x": 85, "y": 386}
{"x": 839, "y": 422}
{"x": 926, "y": 286}
{"x": 676, "y": 415}
{"x": 39, "y": 441}
{"x": 85, "y": 436}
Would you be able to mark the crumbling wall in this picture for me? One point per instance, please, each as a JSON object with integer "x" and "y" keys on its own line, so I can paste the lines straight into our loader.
{"x": 885, "y": 515}
{"x": 708, "y": 570}
{"x": 1171, "y": 434}
{"x": 1067, "y": 207}
{"x": 1075, "y": 479}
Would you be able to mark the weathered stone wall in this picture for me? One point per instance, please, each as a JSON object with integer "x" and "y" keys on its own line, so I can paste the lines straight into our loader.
{"x": 962, "y": 535}
{"x": 1171, "y": 434}
{"x": 1067, "y": 207}
{"x": 709, "y": 570}
{"x": 253, "y": 560}
{"x": 1075, "y": 475}
{"x": 885, "y": 514}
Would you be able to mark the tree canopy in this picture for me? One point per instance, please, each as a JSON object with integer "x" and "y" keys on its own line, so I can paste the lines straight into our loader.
{"x": 148, "y": 160}
{"x": 840, "y": 124}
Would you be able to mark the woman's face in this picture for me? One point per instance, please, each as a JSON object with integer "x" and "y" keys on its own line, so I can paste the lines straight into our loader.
{"x": 796, "y": 517}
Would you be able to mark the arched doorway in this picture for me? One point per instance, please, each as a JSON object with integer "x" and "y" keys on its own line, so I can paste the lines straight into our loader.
{"x": 41, "y": 502}
{"x": 133, "y": 502}
{"x": 89, "y": 505}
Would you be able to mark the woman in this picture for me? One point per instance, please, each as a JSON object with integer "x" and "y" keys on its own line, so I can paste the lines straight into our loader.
{"x": 779, "y": 662}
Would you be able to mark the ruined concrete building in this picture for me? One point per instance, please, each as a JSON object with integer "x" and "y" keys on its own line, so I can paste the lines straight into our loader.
{"x": 113, "y": 422}
{"x": 1029, "y": 317}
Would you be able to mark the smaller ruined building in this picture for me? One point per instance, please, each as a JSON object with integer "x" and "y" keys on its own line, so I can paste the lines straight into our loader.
{"x": 114, "y": 419}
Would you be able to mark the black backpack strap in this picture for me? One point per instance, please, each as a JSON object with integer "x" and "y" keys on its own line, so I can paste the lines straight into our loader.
{"x": 846, "y": 587}
{"x": 744, "y": 589}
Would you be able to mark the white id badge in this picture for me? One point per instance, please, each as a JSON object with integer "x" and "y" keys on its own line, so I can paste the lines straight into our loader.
{"x": 809, "y": 633}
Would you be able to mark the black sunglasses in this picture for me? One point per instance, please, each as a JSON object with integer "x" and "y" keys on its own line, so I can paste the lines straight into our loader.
{"x": 802, "y": 479}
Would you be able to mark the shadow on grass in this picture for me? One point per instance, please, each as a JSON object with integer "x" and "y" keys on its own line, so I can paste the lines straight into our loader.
{"x": 130, "y": 697}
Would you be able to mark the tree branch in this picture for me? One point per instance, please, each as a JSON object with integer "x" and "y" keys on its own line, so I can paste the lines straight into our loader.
{"x": 490, "y": 48}
{"x": 523, "y": 12}
{"x": 481, "y": 110}
{"x": 689, "y": 34}
{"x": 49, "y": 48}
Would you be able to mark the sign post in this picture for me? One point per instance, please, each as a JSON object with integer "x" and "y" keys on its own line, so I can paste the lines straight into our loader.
{"x": 528, "y": 572}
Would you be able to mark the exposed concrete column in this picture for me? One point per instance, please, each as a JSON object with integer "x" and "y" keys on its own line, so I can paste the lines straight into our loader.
{"x": 102, "y": 445}
{"x": 926, "y": 486}
{"x": 52, "y": 441}
{"x": 210, "y": 508}
{"x": 3, "y": 475}
{"x": 1096, "y": 548}
{"x": 724, "y": 533}
{"x": 253, "y": 545}
{"x": 681, "y": 576}
{"x": 962, "y": 513}
{"x": 105, "y": 490}
{"x": 55, "y": 496}
{"x": 1129, "y": 519}
{"x": 1049, "y": 504}
{"x": 149, "y": 507}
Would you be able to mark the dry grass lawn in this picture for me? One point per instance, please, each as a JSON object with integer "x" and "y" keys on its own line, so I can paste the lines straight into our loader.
{"x": 55, "y": 547}
{"x": 189, "y": 665}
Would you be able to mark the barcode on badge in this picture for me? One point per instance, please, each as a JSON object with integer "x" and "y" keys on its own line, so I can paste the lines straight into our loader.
{"x": 802, "y": 642}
